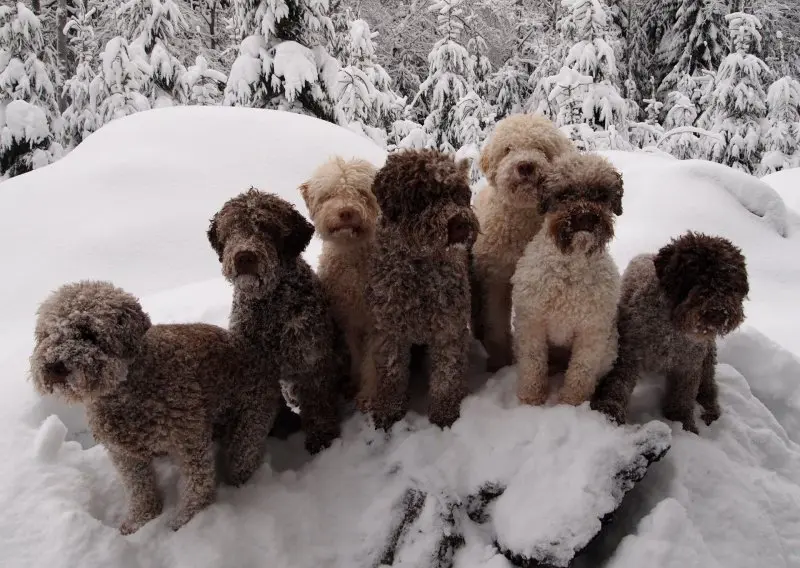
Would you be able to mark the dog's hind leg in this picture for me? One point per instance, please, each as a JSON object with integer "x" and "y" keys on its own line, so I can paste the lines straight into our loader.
{"x": 139, "y": 480}
{"x": 496, "y": 314}
{"x": 195, "y": 455}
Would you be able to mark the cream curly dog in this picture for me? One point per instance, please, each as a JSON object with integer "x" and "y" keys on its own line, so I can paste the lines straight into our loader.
{"x": 566, "y": 286}
{"x": 153, "y": 390}
{"x": 673, "y": 307}
{"x": 515, "y": 160}
{"x": 418, "y": 282}
{"x": 344, "y": 210}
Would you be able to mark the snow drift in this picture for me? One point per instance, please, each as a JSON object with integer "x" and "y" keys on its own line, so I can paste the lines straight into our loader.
{"x": 132, "y": 204}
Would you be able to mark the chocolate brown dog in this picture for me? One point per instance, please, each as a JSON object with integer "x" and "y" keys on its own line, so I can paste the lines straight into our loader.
{"x": 673, "y": 307}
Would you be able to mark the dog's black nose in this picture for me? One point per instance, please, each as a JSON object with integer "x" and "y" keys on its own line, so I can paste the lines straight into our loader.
{"x": 586, "y": 221}
{"x": 245, "y": 262}
{"x": 525, "y": 169}
{"x": 57, "y": 370}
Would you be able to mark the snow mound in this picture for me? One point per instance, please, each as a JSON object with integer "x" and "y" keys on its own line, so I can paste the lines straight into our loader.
{"x": 787, "y": 184}
{"x": 131, "y": 204}
{"x": 371, "y": 498}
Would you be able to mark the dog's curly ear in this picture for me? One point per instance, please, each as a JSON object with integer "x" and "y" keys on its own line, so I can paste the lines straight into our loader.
{"x": 304, "y": 189}
{"x": 616, "y": 194}
{"x": 213, "y": 237}
{"x": 662, "y": 260}
{"x": 300, "y": 233}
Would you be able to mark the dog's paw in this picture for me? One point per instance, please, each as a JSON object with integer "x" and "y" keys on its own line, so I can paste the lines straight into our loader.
{"x": 443, "y": 416}
{"x": 385, "y": 421}
{"x": 181, "y": 517}
{"x": 132, "y": 524}
{"x": 685, "y": 418}
{"x": 571, "y": 399}
{"x": 318, "y": 440}
{"x": 613, "y": 410}
{"x": 710, "y": 415}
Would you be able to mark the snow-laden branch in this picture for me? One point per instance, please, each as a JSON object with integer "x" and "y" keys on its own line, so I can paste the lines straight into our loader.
{"x": 691, "y": 130}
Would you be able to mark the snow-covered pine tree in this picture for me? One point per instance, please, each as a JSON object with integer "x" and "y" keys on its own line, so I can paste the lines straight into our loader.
{"x": 203, "y": 84}
{"x": 697, "y": 40}
{"x": 81, "y": 117}
{"x": 680, "y": 139}
{"x": 589, "y": 75}
{"x": 737, "y": 104}
{"x": 30, "y": 126}
{"x": 782, "y": 140}
{"x": 125, "y": 75}
{"x": 474, "y": 116}
{"x": 365, "y": 100}
{"x": 647, "y": 133}
{"x": 283, "y": 62}
{"x": 152, "y": 26}
{"x": 450, "y": 76}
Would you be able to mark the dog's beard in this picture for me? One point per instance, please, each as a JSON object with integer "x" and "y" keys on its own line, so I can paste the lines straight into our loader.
{"x": 254, "y": 286}
{"x": 689, "y": 318}
{"x": 346, "y": 232}
{"x": 83, "y": 384}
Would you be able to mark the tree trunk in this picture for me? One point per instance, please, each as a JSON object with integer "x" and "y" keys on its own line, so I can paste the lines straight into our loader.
{"x": 61, "y": 47}
{"x": 37, "y": 7}
{"x": 212, "y": 25}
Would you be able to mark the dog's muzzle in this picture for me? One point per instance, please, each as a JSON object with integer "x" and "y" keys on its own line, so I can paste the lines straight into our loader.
{"x": 245, "y": 263}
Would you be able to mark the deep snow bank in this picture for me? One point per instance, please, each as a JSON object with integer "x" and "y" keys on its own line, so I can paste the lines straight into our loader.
{"x": 132, "y": 204}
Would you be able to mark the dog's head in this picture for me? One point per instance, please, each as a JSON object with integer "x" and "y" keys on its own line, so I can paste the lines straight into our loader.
{"x": 425, "y": 195}
{"x": 705, "y": 281}
{"x": 254, "y": 235}
{"x": 86, "y": 335}
{"x": 517, "y": 156}
{"x": 340, "y": 200}
{"x": 580, "y": 197}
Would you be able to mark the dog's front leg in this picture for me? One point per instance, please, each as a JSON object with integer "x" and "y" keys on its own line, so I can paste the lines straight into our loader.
{"x": 532, "y": 357}
{"x": 244, "y": 447}
{"x": 391, "y": 357}
{"x": 139, "y": 480}
{"x": 592, "y": 356}
{"x": 683, "y": 385}
{"x": 449, "y": 356}
{"x": 195, "y": 455}
{"x": 613, "y": 391}
{"x": 707, "y": 394}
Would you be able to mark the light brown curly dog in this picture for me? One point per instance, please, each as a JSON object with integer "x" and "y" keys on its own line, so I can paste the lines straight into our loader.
{"x": 674, "y": 305}
{"x": 418, "y": 286}
{"x": 279, "y": 307}
{"x": 566, "y": 286}
{"x": 515, "y": 160}
{"x": 344, "y": 210}
{"x": 155, "y": 390}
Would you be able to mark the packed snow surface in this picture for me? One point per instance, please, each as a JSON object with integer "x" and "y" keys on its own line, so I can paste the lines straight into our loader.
{"x": 132, "y": 203}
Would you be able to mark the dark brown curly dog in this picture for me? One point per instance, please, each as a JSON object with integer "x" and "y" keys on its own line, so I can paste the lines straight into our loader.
{"x": 279, "y": 305}
{"x": 673, "y": 307}
{"x": 418, "y": 282}
{"x": 155, "y": 390}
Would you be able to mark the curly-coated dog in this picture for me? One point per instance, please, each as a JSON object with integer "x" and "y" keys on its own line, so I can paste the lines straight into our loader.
{"x": 278, "y": 303}
{"x": 344, "y": 210}
{"x": 566, "y": 286}
{"x": 673, "y": 306}
{"x": 418, "y": 282}
{"x": 152, "y": 390}
{"x": 516, "y": 159}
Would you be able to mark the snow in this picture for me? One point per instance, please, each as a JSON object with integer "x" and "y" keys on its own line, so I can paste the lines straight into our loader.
{"x": 132, "y": 203}
{"x": 23, "y": 121}
{"x": 296, "y": 64}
